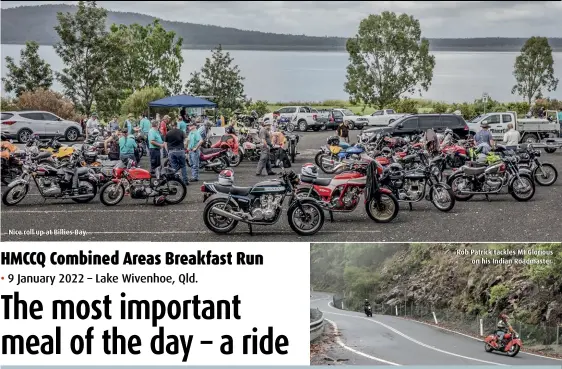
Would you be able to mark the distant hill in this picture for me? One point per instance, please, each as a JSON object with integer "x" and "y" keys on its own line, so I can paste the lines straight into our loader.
{"x": 37, "y": 23}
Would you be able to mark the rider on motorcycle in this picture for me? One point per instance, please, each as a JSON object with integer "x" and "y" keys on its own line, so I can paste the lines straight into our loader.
{"x": 503, "y": 327}
{"x": 447, "y": 138}
{"x": 367, "y": 303}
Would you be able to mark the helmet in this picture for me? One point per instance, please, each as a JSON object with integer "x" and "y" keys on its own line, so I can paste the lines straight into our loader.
{"x": 333, "y": 140}
{"x": 501, "y": 324}
{"x": 386, "y": 151}
{"x": 229, "y": 130}
{"x": 448, "y": 131}
{"x": 366, "y": 300}
{"x": 226, "y": 177}
{"x": 309, "y": 170}
{"x": 95, "y": 132}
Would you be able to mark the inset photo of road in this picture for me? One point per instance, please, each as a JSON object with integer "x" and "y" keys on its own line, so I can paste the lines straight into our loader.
{"x": 436, "y": 304}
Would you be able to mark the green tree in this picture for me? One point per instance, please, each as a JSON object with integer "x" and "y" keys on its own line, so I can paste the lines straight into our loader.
{"x": 220, "y": 79}
{"x": 33, "y": 72}
{"x": 137, "y": 102}
{"x": 86, "y": 53}
{"x": 533, "y": 69}
{"x": 149, "y": 56}
{"x": 387, "y": 58}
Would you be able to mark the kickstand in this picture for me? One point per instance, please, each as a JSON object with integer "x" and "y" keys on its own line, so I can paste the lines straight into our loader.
{"x": 250, "y": 229}
{"x": 331, "y": 217}
{"x": 410, "y": 205}
{"x": 488, "y": 198}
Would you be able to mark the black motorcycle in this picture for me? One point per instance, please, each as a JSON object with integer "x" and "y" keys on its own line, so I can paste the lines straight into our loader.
{"x": 545, "y": 174}
{"x": 485, "y": 180}
{"x": 261, "y": 204}
{"x": 369, "y": 311}
{"x": 67, "y": 182}
{"x": 292, "y": 141}
{"x": 421, "y": 183}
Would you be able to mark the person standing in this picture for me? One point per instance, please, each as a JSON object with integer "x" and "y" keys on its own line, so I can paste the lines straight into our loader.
{"x": 145, "y": 125}
{"x": 163, "y": 128}
{"x": 129, "y": 123}
{"x": 511, "y": 137}
{"x": 92, "y": 125}
{"x": 194, "y": 142}
{"x": 114, "y": 125}
{"x": 155, "y": 143}
{"x": 127, "y": 146}
{"x": 182, "y": 125}
{"x": 266, "y": 144}
{"x": 483, "y": 138}
{"x": 343, "y": 131}
{"x": 175, "y": 145}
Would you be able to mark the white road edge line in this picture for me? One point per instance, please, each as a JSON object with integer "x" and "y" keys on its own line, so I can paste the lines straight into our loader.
{"x": 343, "y": 345}
{"x": 101, "y": 211}
{"x": 416, "y": 341}
{"x": 474, "y": 338}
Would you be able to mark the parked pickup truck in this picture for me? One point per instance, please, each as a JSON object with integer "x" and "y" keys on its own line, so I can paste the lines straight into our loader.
{"x": 303, "y": 117}
{"x": 382, "y": 117}
{"x": 337, "y": 116}
{"x": 532, "y": 130}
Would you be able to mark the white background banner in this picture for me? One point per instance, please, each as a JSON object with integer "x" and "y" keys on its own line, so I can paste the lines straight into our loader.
{"x": 275, "y": 294}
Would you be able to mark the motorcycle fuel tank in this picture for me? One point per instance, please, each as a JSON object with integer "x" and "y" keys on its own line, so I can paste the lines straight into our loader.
{"x": 268, "y": 187}
{"x": 138, "y": 173}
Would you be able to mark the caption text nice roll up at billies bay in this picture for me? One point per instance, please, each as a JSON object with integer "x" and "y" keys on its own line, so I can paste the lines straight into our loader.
{"x": 16, "y": 307}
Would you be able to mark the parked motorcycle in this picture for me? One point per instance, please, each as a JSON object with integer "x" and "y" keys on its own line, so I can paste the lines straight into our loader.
{"x": 230, "y": 142}
{"x": 485, "y": 180}
{"x": 292, "y": 141}
{"x": 66, "y": 182}
{"x": 165, "y": 187}
{"x": 342, "y": 193}
{"x": 261, "y": 204}
{"x": 215, "y": 159}
{"x": 414, "y": 186}
{"x": 286, "y": 124}
{"x": 545, "y": 174}
{"x": 369, "y": 311}
{"x": 511, "y": 344}
{"x": 11, "y": 161}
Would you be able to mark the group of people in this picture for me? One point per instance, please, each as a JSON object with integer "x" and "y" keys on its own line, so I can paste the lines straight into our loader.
{"x": 485, "y": 141}
{"x": 161, "y": 139}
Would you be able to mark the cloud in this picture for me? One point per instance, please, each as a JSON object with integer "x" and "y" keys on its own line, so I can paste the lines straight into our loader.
{"x": 442, "y": 19}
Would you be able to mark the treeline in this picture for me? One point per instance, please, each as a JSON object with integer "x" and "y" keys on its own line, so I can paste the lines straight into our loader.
{"x": 37, "y": 23}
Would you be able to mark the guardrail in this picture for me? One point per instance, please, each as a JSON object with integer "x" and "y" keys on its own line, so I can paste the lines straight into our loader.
{"x": 316, "y": 324}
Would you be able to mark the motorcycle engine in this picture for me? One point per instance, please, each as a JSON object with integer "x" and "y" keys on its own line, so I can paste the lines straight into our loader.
{"x": 492, "y": 182}
{"x": 269, "y": 205}
{"x": 349, "y": 199}
{"x": 140, "y": 189}
{"x": 396, "y": 175}
{"x": 48, "y": 188}
{"x": 412, "y": 190}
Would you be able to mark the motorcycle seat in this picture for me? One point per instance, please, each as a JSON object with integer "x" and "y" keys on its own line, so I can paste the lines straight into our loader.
{"x": 316, "y": 181}
{"x": 82, "y": 171}
{"x": 42, "y": 155}
{"x": 234, "y": 190}
{"x": 210, "y": 151}
{"x": 474, "y": 171}
{"x": 476, "y": 164}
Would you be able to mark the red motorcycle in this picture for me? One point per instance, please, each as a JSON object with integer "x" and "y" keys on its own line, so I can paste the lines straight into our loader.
{"x": 455, "y": 156}
{"x": 216, "y": 159}
{"x": 341, "y": 193}
{"x": 165, "y": 187}
{"x": 511, "y": 343}
{"x": 230, "y": 142}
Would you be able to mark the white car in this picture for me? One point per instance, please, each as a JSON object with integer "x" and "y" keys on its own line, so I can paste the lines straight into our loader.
{"x": 20, "y": 125}
{"x": 383, "y": 117}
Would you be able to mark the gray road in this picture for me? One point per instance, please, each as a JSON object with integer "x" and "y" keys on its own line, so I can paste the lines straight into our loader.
{"x": 388, "y": 340}
{"x": 502, "y": 219}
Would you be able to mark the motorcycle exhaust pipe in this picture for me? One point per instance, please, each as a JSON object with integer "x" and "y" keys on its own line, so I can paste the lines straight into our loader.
{"x": 328, "y": 161}
{"x": 212, "y": 165}
{"x": 80, "y": 196}
{"x": 226, "y": 214}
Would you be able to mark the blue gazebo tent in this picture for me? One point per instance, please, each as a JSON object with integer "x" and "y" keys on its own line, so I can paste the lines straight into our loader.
{"x": 182, "y": 101}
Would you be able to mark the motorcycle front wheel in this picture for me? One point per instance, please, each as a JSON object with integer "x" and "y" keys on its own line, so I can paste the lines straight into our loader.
{"x": 545, "y": 175}
{"x": 442, "y": 198}
{"x": 181, "y": 191}
{"x": 112, "y": 193}
{"x": 327, "y": 168}
{"x": 308, "y": 221}
{"x": 522, "y": 188}
{"x": 15, "y": 194}
{"x": 487, "y": 347}
{"x": 385, "y": 211}
{"x": 318, "y": 158}
{"x": 454, "y": 182}
{"x": 218, "y": 223}
{"x": 90, "y": 188}
{"x": 514, "y": 350}
{"x": 235, "y": 160}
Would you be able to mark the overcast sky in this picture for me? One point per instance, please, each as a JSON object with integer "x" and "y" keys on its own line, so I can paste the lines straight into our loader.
{"x": 447, "y": 19}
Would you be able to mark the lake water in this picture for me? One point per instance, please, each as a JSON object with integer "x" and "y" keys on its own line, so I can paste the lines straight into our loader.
{"x": 315, "y": 76}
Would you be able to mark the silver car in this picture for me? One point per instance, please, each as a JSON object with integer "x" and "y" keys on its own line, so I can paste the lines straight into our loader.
{"x": 20, "y": 125}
